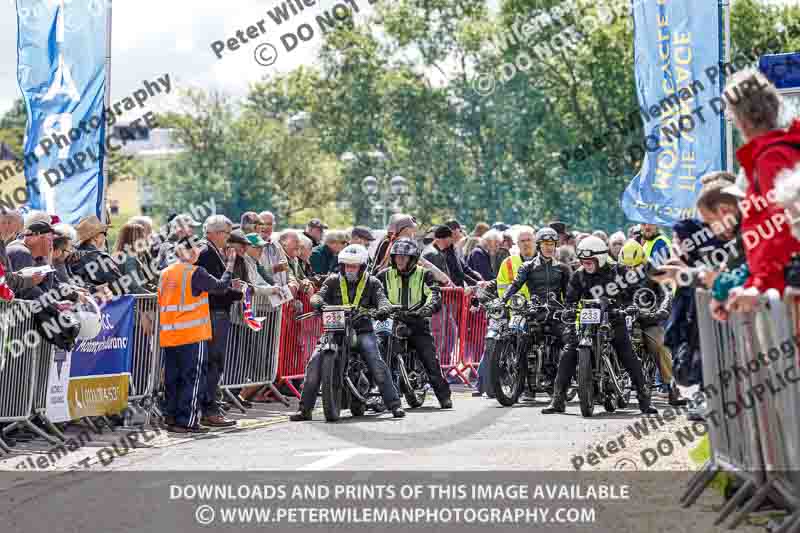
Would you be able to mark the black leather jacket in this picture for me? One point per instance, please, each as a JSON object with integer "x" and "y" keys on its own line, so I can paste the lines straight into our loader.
{"x": 542, "y": 276}
{"x": 606, "y": 282}
{"x": 373, "y": 297}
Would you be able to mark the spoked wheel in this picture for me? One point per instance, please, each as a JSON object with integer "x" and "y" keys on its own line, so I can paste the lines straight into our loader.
{"x": 649, "y": 368}
{"x": 508, "y": 371}
{"x": 585, "y": 382}
{"x": 572, "y": 391}
{"x": 533, "y": 377}
{"x": 412, "y": 380}
{"x": 332, "y": 388}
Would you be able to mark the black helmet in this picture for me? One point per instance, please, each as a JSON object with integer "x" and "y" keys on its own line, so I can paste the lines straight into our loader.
{"x": 405, "y": 246}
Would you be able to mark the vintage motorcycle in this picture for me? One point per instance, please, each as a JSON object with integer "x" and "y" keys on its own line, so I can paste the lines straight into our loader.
{"x": 528, "y": 349}
{"x": 601, "y": 379}
{"x": 346, "y": 380}
{"x": 647, "y": 360}
{"x": 406, "y": 368}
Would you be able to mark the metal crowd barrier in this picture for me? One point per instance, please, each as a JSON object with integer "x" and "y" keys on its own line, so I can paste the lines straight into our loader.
{"x": 459, "y": 335}
{"x": 748, "y": 366}
{"x": 146, "y": 360}
{"x": 24, "y": 368}
{"x": 298, "y": 340}
{"x": 251, "y": 357}
{"x": 446, "y": 326}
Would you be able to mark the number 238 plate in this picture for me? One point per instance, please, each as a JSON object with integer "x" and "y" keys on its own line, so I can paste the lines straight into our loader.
{"x": 590, "y": 316}
{"x": 333, "y": 319}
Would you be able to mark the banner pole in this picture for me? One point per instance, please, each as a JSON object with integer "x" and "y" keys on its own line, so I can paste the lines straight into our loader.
{"x": 107, "y": 104}
{"x": 727, "y": 127}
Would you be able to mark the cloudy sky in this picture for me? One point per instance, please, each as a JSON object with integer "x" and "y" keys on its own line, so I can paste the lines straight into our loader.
{"x": 153, "y": 37}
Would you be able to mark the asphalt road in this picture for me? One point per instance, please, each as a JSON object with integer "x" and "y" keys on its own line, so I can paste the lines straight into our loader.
{"x": 476, "y": 439}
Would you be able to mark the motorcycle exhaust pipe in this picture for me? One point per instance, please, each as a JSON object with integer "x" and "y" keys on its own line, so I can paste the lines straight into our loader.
{"x": 354, "y": 390}
{"x": 614, "y": 379}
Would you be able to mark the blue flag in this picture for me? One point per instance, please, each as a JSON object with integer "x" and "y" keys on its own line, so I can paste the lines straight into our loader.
{"x": 675, "y": 43}
{"x": 62, "y": 76}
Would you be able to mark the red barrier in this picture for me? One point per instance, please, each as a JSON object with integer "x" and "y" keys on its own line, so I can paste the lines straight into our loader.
{"x": 298, "y": 340}
{"x": 458, "y": 331}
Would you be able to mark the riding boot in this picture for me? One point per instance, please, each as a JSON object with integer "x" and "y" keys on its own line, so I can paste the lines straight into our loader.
{"x": 559, "y": 402}
{"x": 302, "y": 415}
{"x": 643, "y": 394}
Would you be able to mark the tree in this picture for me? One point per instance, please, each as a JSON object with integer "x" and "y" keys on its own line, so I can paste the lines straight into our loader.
{"x": 12, "y": 127}
{"x": 242, "y": 160}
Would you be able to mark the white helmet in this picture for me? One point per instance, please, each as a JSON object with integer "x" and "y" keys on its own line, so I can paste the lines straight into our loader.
{"x": 89, "y": 317}
{"x": 592, "y": 247}
{"x": 354, "y": 254}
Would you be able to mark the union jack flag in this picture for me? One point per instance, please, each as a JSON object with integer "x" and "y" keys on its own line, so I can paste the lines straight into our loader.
{"x": 5, "y": 291}
{"x": 247, "y": 310}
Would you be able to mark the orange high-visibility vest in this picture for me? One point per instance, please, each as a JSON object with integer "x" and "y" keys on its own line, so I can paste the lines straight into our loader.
{"x": 185, "y": 319}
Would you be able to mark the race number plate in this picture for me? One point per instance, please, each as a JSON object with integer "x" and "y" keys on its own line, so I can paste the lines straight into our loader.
{"x": 333, "y": 320}
{"x": 517, "y": 323}
{"x": 590, "y": 316}
{"x": 383, "y": 327}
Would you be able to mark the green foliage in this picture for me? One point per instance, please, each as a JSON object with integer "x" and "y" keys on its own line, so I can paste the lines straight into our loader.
{"x": 404, "y": 83}
{"x": 12, "y": 126}
{"x": 243, "y": 159}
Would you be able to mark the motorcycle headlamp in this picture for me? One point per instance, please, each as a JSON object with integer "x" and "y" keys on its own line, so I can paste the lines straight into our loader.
{"x": 518, "y": 302}
{"x": 402, "y": 331}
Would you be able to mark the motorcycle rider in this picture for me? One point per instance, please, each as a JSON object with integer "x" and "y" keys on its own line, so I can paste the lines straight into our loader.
{"x": 655, "y": 303}
{"x": 407, "y": 284}
{"x": 352, "y": 285}
{"x": 544, "y": 274}
{"x": 596, "y": 278}
{"x": 541, "y": 276}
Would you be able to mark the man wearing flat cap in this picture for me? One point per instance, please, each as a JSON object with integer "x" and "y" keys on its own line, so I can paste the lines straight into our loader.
{"x": 315, "y": 230}
{"x": 30, "y": 250}
{"x": 400, "y": 225}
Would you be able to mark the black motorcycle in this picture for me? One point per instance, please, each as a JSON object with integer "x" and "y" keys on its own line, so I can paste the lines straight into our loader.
{"x": 647, "y": 360}
{"x": 346, "y": 380}
{"x": 406, "y": 368}
{"x": 600, "y": 376}
{"x": 528, "y": 349}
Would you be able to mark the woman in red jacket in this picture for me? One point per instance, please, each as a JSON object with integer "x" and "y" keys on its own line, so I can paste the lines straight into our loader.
{"x": 755, "y": 105}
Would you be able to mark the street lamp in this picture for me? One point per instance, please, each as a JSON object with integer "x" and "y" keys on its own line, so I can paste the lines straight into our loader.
{"x": 383, "y": 197}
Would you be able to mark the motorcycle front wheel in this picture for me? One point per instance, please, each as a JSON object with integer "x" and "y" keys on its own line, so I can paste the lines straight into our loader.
{"x": 508, "y": 373}
{"x": 412, "y": 381}
{"x": 585, "y": 382}
{"x": 332, "y": 388}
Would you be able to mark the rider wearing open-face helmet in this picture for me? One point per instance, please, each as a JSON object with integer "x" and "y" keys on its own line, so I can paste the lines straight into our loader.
{"x": 352, "y": 285}
{"x": 598, "y": 278}
{"x": 413, "y": 287}
{"x": 543, "y": 274}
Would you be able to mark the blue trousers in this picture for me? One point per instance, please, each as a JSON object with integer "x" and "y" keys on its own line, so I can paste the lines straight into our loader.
{"x": 184, "y": 379}
{"x": 368, "y": 346}
{"x": 217, "y": 348}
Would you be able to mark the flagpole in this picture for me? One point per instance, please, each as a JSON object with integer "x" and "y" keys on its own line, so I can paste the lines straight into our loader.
{"x": 727, "y": 127}
{"x": 106, "y": 105}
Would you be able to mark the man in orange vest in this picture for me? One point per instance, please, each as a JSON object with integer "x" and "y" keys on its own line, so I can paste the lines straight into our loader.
{"x": 185, "y": 328}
